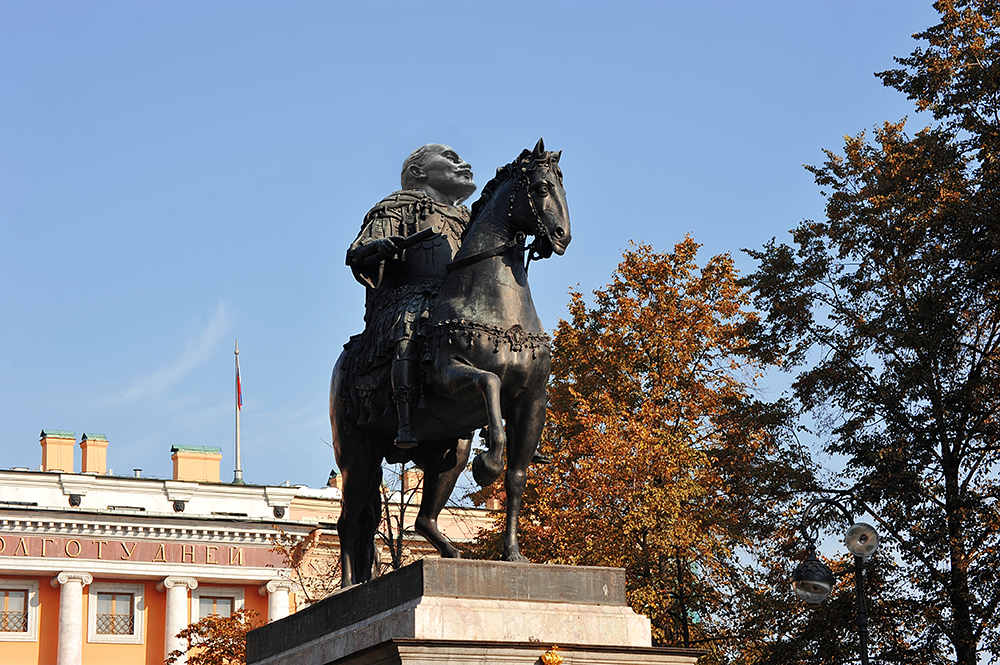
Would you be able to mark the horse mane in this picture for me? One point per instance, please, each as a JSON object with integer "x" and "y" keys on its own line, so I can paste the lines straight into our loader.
{"x": 525, "y": 162}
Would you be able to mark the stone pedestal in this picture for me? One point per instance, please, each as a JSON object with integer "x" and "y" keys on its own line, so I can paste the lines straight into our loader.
{"x": 457, "y": 611}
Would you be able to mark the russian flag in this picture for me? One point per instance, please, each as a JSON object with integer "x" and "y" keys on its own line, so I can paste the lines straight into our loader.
{"x": 239, "y": 388}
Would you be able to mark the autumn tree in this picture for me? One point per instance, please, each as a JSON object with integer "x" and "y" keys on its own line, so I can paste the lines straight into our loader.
{"x": 313, "y": 564}
{"x": 889, "y": 312}
{"x": 216, "y": 640}
{"x": 662, "y": 461}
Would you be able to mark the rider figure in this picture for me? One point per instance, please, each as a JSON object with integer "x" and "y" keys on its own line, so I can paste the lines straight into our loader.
{"x": 402, "y": 279}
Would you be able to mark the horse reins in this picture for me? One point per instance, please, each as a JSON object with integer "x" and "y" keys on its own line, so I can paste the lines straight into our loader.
{"x": 518, "y": 240}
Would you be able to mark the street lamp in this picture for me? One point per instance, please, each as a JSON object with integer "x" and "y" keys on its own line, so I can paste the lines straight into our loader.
{"x": 813, "y": 580}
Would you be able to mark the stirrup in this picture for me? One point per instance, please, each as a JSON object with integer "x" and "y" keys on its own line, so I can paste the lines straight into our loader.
{"x": 403, "y": 396}
{"x": 405, "y": 439}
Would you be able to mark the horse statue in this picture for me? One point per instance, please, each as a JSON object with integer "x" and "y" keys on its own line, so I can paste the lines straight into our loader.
{"x": 486, "y": 365}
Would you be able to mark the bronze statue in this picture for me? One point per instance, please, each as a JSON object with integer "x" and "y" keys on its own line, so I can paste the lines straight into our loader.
{"x": 452, "y": 342}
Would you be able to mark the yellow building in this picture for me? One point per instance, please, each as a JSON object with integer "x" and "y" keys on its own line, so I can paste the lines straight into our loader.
{"x": 97, "y": 568}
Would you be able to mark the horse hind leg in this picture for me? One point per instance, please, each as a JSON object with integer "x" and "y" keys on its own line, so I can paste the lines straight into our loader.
{"x": 371, "y": 516}
{"x": 442, "y": 467}
{"x": 356, "y": 525}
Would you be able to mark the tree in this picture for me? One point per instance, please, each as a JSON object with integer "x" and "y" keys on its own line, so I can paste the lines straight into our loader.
{"x": 955, "y": 78}
{"x": 890, "y": 312}
{"x": 395, "y": 532}
{"x": 217, "y": 640}
{"x": 313, "y": 564}
{"x": 663, "y": 463}
{"x": 776, "y": 629}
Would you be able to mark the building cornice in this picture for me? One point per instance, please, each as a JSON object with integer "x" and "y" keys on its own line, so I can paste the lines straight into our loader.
{"x": 179, "y": 490}
{"x": 75, "y": 484}
{"x": 34, "y": 521}
{"x": 147, "y": 486}
{"x": 205, "y": 574}
{"x": 280, "y": 496}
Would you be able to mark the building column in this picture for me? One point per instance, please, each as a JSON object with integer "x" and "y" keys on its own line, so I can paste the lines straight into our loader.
{"x": 70, "y": 640}
{"x": 277, "y": 598}
{"x": 177, "y": 612}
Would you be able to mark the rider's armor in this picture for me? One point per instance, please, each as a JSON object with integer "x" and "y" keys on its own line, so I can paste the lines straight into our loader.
{"x": 401, "y": 290}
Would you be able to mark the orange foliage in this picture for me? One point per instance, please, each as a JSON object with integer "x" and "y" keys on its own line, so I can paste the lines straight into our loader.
{"x": 660, "y": 456}
{"x": 217, "y": 640}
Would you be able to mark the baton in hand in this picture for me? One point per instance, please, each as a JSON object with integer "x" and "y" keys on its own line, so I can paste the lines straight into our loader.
{"x": 408, "y": 241}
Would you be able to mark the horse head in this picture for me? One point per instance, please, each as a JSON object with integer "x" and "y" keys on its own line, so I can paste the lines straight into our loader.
{"x": 533, "y": 186}
{"x": 539, "y": 205}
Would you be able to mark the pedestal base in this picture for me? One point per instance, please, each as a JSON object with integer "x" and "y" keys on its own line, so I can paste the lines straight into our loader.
{"x": 458, "y": 652}
{"x": 457, "y": 611}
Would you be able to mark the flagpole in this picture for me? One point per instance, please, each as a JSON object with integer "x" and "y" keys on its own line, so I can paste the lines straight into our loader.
{"x": 238, "y": 477}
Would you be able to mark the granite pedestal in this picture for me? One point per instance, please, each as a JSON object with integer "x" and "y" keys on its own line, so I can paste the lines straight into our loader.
{"x": 458, "y": 611}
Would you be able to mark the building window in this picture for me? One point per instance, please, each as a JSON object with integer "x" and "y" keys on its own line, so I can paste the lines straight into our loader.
{"x": 13, "y": 611}
{"x": 220, "y": 600}
{"x": 208, "y": 605}
{"x": 115, "y": 613}
{"x": 18, "y": 610}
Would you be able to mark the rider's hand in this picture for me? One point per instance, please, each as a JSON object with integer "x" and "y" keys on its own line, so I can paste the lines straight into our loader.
{"x": 388, "y": 247}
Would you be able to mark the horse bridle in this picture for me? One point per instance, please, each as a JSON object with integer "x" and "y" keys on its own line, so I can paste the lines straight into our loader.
{"x": 517, "y": 241}
{"x": 540, "y": 230}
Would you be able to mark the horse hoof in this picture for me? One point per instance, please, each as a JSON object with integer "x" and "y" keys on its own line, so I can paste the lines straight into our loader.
{"x": 482, "y": 473}
{"x": 515, "y": 558}
{"x": 539, "y": 458}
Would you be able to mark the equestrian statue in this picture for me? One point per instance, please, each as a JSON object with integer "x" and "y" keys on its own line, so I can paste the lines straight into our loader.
{"x": 452, "y": 342}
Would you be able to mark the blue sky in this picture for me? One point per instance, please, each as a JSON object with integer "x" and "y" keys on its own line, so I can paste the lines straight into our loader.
{"x": 177, "y": 175}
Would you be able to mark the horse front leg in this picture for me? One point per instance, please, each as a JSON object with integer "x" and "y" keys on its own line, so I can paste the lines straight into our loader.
{"x": 453, "y": 378}
{"x": 526, "y": 421}
{"x": 442, "y": 466}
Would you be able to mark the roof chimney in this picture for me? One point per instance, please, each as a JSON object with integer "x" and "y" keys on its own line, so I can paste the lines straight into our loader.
{"x": 57, "y": 450}
{"x": 412, "y": 478}
{"x": 95, "y": 453}
{"x": 495, "y": 502}
{"x": 196, "y": 463}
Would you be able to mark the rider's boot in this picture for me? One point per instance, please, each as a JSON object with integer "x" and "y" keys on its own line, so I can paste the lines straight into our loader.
{"x": 404, "y": 379}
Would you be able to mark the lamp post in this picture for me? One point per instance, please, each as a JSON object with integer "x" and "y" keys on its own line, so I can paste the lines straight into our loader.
{"x": 813, "y": 580}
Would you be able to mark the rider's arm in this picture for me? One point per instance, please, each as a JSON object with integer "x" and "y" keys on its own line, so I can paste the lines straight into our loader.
{"x": 378, "y": 237}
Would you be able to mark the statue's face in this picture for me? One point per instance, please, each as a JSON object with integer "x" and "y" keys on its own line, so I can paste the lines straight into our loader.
{"x": 446, "y": 172}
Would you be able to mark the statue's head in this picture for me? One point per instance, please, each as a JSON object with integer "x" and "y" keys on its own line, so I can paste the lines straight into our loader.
{"x": 440, "y": 172}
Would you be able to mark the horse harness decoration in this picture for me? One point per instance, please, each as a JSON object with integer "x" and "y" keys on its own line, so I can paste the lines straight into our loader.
{"x": 515, "y": 337}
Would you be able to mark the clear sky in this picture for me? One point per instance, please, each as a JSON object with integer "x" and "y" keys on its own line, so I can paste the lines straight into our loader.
{"x": 177, "y": 175}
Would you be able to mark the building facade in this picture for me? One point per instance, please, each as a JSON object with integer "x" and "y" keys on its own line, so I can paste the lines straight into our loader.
{"x": 97, "y": 568}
